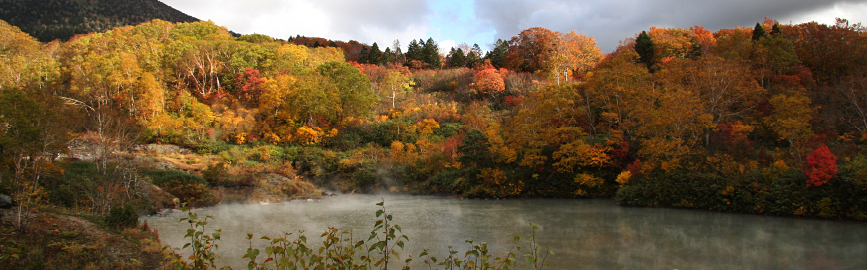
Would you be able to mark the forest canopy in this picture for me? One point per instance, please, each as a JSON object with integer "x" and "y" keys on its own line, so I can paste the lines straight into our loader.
{"x": 768, "y": 119}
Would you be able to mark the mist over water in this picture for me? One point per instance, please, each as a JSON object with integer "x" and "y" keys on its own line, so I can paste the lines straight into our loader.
{"x": 584, "y": 234}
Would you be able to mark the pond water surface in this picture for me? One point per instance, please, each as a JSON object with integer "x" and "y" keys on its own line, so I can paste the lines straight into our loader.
{"x": 584, "y": 234}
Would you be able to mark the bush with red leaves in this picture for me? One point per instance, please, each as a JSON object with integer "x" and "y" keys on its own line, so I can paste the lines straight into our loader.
{"x": 821, "y": 167}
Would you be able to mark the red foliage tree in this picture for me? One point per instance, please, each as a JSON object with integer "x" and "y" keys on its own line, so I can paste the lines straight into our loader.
{"x": 821, "y": 167}
{"x": 634, "y": 168}
{"x": 247, "y": 85}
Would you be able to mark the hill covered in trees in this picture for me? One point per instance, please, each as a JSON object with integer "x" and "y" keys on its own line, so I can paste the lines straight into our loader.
{"x": 47, "y": 20}
{"x": 768, "y": 119}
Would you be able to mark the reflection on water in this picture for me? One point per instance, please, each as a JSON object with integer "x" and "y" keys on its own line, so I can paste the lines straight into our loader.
{"x": 584, "y": 234}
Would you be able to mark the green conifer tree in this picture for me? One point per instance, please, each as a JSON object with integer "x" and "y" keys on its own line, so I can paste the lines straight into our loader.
{"x": 498, "y": 54}
{"x": 645, "y": 49}
{"x": 432, "y": 54}
{"x": 776, "y": 29}
{"x": 758, "y": 32}
{"x": 413, "y": 51}
{"x": 374, "y": 56}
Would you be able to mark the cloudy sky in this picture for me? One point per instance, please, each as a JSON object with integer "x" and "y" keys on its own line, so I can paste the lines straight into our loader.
{"x": 484, "y": 21}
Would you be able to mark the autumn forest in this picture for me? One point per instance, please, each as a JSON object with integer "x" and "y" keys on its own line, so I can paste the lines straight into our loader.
{"x": 770, "y": 119}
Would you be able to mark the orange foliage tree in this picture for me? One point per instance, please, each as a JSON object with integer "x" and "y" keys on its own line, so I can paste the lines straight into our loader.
{"x": 489, "y": 80}
{"x": 527, "y": 50}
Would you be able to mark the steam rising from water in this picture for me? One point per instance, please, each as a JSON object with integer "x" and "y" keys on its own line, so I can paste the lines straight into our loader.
{"x": 585, "y": 234}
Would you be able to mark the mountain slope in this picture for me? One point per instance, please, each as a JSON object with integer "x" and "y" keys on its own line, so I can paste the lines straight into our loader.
{"x": 61, "y": 19}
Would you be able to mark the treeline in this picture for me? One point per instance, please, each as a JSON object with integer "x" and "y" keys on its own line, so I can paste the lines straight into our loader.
{"x": 758, "y": 120}
{"x": 61, "y": 19}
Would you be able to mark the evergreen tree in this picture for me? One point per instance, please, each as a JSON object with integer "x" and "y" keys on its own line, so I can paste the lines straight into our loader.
{"x": 474, "y": 56}
{"x": 363, "y": 55}
{"x": 413, "y": 51}
{"x": 374, "y": 56}
{"x": 776, "y": 29}
{"x": 387, "y": 56}
{"x": 497, "y": 56}
{"x": 474, "y": 149}
{"x": 758, "y": 32}
{"x": 431, "y": 54}
{"x": 644, "y": 47}
{"x": 456, "y": 58}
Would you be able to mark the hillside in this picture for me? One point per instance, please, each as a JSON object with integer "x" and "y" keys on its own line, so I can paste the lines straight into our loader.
{"x": 61, "y": 19}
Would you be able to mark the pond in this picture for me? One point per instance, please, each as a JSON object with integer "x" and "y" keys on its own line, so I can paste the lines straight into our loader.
{"x": 583, "y": 234}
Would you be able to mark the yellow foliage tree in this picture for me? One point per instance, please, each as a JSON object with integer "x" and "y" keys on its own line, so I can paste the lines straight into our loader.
{"x": 574, "y": 54}
{"x": 791, "y": 117}
{"x": 623, "y": 178}
{"x": 426, "y": 127}
{"x": 306, "y": 135}
{"x": 24, "y": 61}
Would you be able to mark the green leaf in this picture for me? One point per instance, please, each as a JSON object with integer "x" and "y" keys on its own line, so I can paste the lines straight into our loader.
{"x": 379, "y": 213}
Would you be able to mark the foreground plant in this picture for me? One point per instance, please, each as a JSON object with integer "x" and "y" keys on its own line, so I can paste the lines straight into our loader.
{"x": 344, "y": 251}
{"x": 201, "y": 243}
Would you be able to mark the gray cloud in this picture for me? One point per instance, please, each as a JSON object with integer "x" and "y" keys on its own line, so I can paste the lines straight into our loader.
{"x": 613, "y": 20}
{"x": 609, "y": 21}
{"x": 385, "y": 15}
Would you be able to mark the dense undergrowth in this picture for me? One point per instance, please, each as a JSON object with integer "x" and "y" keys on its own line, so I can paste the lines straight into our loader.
{"x": 57, "y": 238}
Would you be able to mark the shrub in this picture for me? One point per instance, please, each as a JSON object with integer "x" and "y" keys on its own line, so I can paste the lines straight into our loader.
{"x": 821, "y": 167}
{"x": 444, "y": 181}
{"x": 122, "y": 217}
{"x": 314, "y": 161}
{"x": 365, "y": 178}
{"x": 631, "y": 196}
{"x": 189, "y": 188}
{"x": 215, "y": 173}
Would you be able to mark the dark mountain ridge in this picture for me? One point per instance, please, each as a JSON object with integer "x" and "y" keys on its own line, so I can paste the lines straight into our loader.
{"x": 48, "y": 20}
